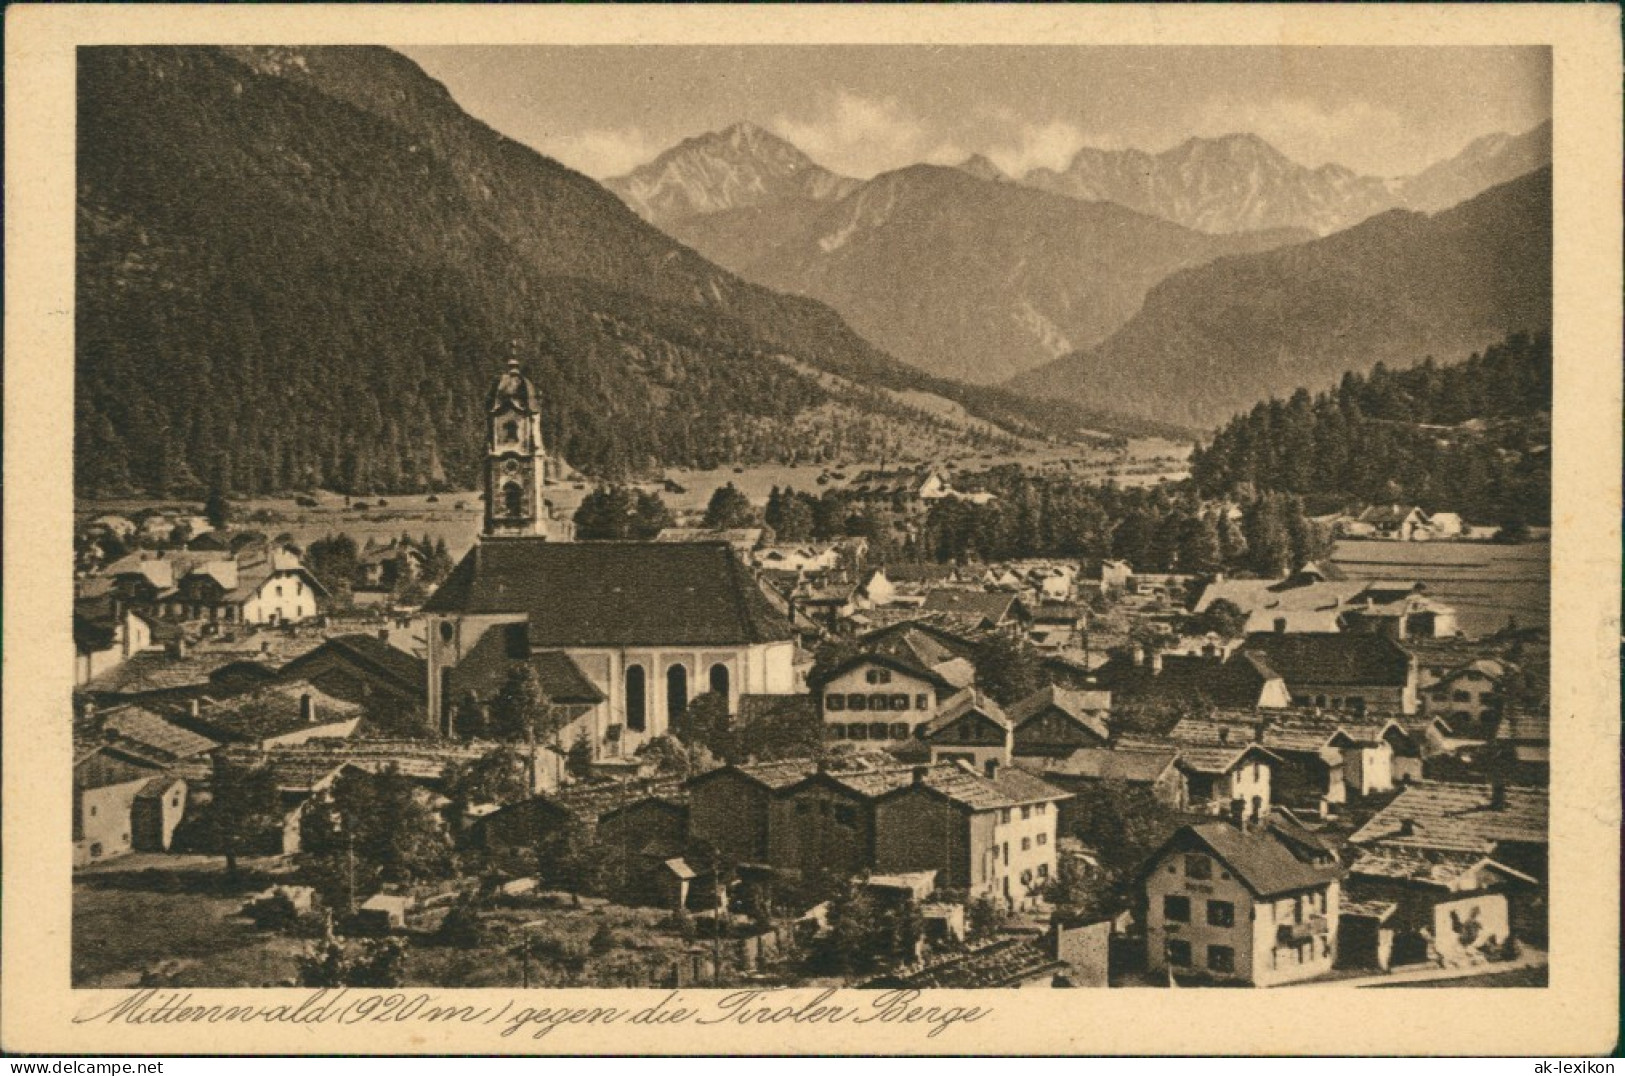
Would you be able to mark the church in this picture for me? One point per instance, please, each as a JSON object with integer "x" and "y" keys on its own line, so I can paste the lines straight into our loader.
{"x": 621, "y": 634}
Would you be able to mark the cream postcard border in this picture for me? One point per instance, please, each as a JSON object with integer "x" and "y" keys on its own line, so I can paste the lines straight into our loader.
{"x": 1576, "y": 1014}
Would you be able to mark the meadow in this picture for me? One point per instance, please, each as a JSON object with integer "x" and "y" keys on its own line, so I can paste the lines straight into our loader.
{"x": 1487, "y": 583}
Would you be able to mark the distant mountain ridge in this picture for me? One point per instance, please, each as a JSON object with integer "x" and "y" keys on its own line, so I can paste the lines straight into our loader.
{"x": 1213, "y": 340}
{"x": 966, "y": 278}
{"x": 1240, "y": 182}
{"x": 740, "y": 166}
{"x": 985, "y": 278}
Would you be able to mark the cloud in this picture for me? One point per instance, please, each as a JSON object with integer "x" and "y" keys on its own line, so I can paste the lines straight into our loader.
{"x": 1040, "y": 145}
{"x": 602, "y": 152}
{"x": 1308, "y": 132}
{"x": 862, "y": 136}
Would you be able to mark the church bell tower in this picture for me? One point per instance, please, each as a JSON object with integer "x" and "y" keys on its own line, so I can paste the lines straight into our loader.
{"x": 515, "y": 458}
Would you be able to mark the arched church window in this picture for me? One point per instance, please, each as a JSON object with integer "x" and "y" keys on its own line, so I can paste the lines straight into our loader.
{"x": 446, "y": 631}
{"x": 719, "y": 679}
{"x": 510, "y": 430}
{"x": 636, "y": 707}
{"x": 513, "y": 499}
{"x": 676, "y": 692}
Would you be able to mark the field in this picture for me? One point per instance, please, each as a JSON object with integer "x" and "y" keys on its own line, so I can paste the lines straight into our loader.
{"x": 1486, "y": 583}
{"x": 456, "y": 516}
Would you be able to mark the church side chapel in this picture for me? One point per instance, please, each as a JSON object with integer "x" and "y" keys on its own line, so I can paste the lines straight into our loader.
{"x": 621, "y": 634}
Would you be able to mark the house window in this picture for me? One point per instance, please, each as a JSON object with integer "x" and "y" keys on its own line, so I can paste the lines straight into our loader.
{"x": 878, "y": 676}
{"x": 877, "y": 730}
{"x": 1176, "y": 909}
{"x": 636, "y": 699}
{"x": 922, "y": 702}
{"x": 1221, "y": 958}
{"x": 1043, "y": 868}
{"x": 834, "y": 703}
{"x": 1179, "y": 953}
{"x": 1221, "y": 913}
{"x": 719, "y": 679}
{"x": 93, "y": 810}
{"x": 899, "y": 702}
{"x": 1198, "y": 867}
{"x": 1026, "y": 844}
{"x": 1460, "y": 696}
{"x": 879, "y": 702}
{"x": 857, "y": 702}
{"x": 859, "y": 731}
{"x": 279, "y": 590}
{"x": 1043, "y": 839}
{"x": 899, "y": 730}
{"x": 1004, "y": 816}
{"x": 1041, "y": 808}
{"x": 1026, "y": 813}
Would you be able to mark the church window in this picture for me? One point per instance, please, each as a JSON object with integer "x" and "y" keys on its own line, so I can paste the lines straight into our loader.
{"x": 510, "y": 430}
{"x": 636, "y": 707}
{"x": 513, "y": 499}
{"x": 676, "y": 692}
{"x": 719, "y": 679}
{"x": 446, "y": 631}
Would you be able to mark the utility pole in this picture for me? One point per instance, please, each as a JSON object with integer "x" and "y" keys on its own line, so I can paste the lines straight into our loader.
{"x": 350, "y": 861}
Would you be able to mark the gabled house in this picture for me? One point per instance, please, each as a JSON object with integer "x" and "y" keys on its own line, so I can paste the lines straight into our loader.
{"x": 1357, "y": 673}
{"x": 1156, "y": 769}
{"x": 988, "y": 833}
{"x": 105, "y": 786}
{"x": 1055, "y": 721}
{"x": 1232, "y": 776}
{"x": 104, "y": 639}
{"x": 1229, "y": 904}
{"x": 874, "y": 698}
{"x": 1468, "y": 696}
{"x": 985, "y": 609}
{"x": 1400, "y": 522}
{"x": 281, "y": 713}
{"x": 971, "y": 728}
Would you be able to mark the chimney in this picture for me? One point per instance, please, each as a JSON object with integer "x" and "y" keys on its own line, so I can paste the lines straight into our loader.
{"x": 1238, "y": 813}
{"x": 823, "y": 765}
{"x": 383, "y": 635}
{"x": 1498, "y": 795}
{"x": 1407, "y": 828}
{"x": 307, "y": 709}
{"x": 992, "y": 768}
{"x": 1156, "y": 662}
{"x": 89, "y": 710}
{"x": 194, "y": 707}
{"x": 919, "y": 774}
{"x": 1280, "y": 625}
{"x": 1224, "y": 734}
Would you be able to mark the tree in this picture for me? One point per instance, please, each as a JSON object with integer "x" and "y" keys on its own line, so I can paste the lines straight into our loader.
{"x": 729, "y": 509}
{"x": 369, "y": 829}
{"x": 571, "y": 857}
{"x": 378, "y": 964}
{"x": 984, "y": 916}
{"x": 705, "y": 723}
{"x": 522, "y": 711}
{"x": 650, "y": 516}
{"x": 217, "y": 510}
{"x": 1223, "y": 618}
{"x": 673, "y": 757}
{"x": 501, "y": 776}
{"x": 1007, "y": 669}
{"x": 245, "y": 809}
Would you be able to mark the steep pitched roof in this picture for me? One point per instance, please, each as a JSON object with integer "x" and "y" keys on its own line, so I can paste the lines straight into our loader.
{"x": 971, "y": 701}
{"x": 1088, "y": 709}
{"x": 405, "y": 670}
{"x": 614, "y": 593}
{"x": 1132, "y": 765}
{"x": 1333, "y": 658}
{"x": 135, "y": 730}
{"x": 273, "y": 710}
{"x": 1458, "y": 817}
{"x": 1259, "y": 858}
{"x": 102, "y": 769}
{"x": 978, "y": 604}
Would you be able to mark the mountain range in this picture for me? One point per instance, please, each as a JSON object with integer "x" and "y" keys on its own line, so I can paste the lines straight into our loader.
{"x": 303, "y": 267}
{"x": 971, "y": 274}
{"x": 1215, "y": 339}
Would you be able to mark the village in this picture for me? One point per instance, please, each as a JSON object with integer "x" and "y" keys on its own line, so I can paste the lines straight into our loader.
{"x": 705, "y": 756}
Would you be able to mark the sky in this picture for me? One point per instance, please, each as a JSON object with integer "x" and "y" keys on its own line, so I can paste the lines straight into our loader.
{"x": 864, "y": 109}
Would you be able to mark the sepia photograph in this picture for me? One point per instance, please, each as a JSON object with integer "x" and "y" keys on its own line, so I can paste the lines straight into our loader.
{"x": 774, "y": 518}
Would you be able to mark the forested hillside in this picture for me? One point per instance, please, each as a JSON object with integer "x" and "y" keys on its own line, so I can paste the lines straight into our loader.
{"x": 1472, "y": 438}
{"x": 1210, "y": 341}
{"x": 303, "y": 267}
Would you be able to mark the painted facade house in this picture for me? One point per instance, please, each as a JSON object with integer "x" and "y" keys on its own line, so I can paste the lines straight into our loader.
{"x": 1256, "y": 905}
{"x": 1507, "y": 823}
{"x": 1358, "y": 673}
{"x": 876, "y": 699}
{"x": 1429, "y": 906}
{"x": 255, "y": 586}
{"x": 1056, "y": 721}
